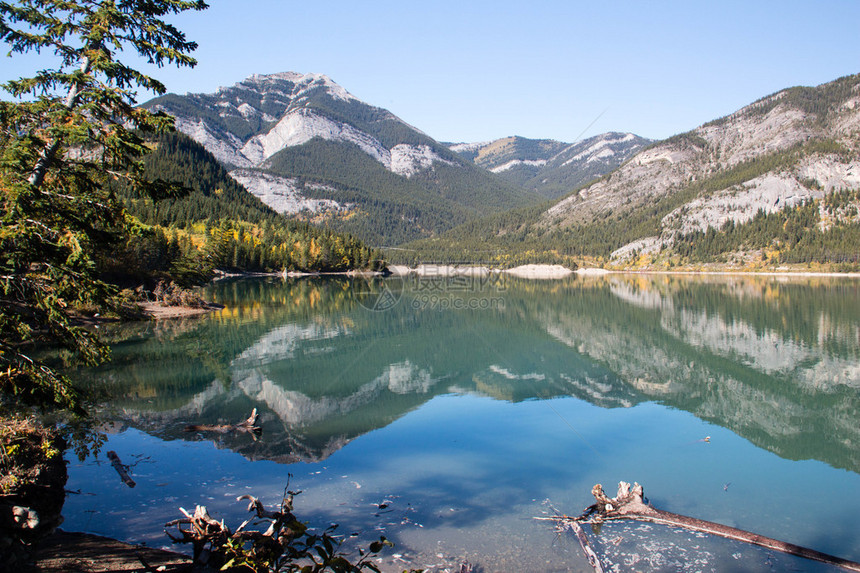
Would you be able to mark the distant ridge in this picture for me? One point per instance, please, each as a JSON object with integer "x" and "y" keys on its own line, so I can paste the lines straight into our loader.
{"x": 552, "y": 168}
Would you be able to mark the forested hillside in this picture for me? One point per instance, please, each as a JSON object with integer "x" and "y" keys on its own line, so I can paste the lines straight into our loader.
{"x": 712, "y": 195}
{"x": 216, "y": 223}
{"x": 382, "y": 207}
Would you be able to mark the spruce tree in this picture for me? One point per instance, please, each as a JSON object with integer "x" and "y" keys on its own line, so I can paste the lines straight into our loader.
{"x": 66, "y": 136}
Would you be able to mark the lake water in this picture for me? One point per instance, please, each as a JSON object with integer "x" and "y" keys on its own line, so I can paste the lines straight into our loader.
{"x": 448, "y": 413}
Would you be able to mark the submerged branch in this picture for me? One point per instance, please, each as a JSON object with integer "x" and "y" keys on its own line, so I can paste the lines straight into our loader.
{"x": 120, "y": 468}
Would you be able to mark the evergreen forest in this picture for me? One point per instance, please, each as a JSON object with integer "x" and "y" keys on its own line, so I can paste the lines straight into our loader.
{"x": 209, "y": 221}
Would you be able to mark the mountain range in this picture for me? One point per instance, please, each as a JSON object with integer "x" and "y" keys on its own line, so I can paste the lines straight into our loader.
{"x": 303, "y": 144}
{"x": 777, "y": 182}
{"x": 309, "y": 149}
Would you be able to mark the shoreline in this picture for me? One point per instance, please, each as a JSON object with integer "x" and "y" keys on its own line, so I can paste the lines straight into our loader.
{"x": 160, "y": 311}
{"x": 547, "y": 271}
{"x": 782, "y": 273}
{"x": 533, "y": 271}
{"x": 65, "y": 551}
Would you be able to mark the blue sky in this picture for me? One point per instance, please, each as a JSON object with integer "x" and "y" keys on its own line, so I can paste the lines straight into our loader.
{"x": 479, "y": 70}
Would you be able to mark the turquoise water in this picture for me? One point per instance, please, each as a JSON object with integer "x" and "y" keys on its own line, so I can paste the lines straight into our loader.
{"x": 468, "y": 407}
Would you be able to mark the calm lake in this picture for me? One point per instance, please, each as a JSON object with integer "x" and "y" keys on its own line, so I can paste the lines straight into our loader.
{"x": 446, "y": 413}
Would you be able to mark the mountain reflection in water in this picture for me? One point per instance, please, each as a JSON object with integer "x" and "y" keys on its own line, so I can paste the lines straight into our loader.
{"x": 775, "y": 360}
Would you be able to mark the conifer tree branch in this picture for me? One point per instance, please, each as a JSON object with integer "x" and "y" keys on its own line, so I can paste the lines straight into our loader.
{"x": 64, "y": 142}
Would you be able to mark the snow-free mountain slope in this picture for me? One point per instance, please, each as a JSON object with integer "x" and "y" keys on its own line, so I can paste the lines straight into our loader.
{"x": 777, "y": 182}
{"x": 797, "y": 145}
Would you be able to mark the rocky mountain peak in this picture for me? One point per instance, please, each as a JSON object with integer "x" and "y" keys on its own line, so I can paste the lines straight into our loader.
{"x": 246, "y": 124}
{"x": 295, "y": 85}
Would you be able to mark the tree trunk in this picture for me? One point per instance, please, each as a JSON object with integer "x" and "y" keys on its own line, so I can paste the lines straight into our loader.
{"x": 50, "y": 151}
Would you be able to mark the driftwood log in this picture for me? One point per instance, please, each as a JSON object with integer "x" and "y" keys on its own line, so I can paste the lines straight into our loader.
{"x": 120, "y": 468}
{"x": 630, "y": 503}
{"x": 249, "y": 425}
